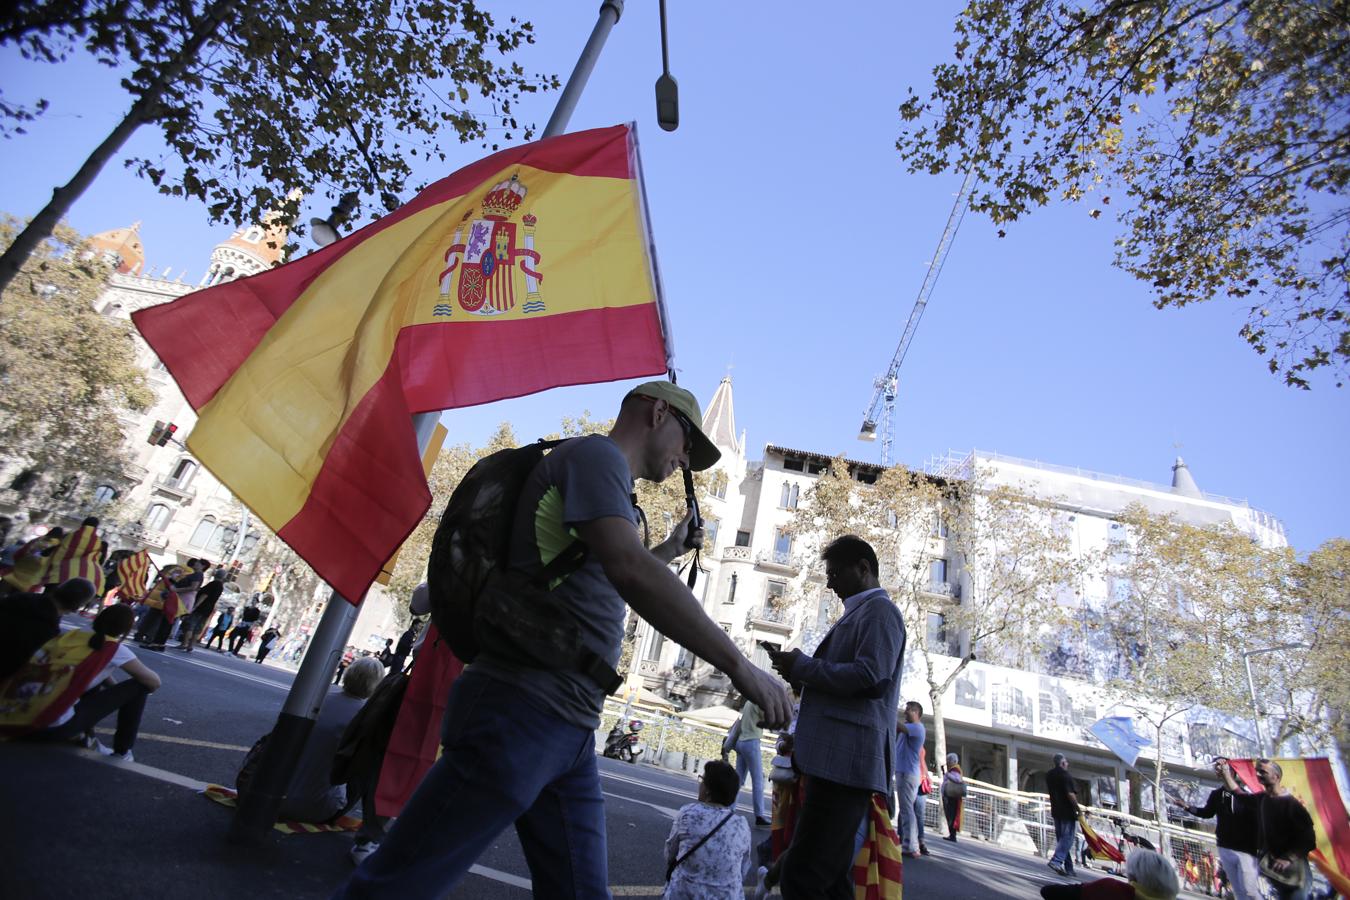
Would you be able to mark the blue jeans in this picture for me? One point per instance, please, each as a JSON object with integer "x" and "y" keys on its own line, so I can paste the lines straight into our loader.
{"x": 920, "y": 808}
{"x": 504, "y": 761}
{"x": 907, "y": 786}
{"x": 748, "y": 757}
{"x": 1064, "y": 833}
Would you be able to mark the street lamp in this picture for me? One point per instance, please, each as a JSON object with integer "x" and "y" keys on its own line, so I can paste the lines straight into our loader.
{"x": 1251, "y": 688}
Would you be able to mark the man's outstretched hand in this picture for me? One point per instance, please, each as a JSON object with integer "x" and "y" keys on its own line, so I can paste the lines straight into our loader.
{"x": 766, "y": 692}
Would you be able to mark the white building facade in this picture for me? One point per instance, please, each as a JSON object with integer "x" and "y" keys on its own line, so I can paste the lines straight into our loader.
{"x": 1005, "y": 723}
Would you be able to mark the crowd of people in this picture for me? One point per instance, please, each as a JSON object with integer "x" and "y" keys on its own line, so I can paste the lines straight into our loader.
{"x": 518, "y": 737}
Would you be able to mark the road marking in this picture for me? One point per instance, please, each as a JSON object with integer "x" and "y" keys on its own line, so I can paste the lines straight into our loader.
{"x": 224, "y": 671}
{"x": 637, "y": 890}
{"x": 503, "y": 877}
{"x": 663, "y": 810}
{"x": 173, "y": 739}
{"x": 143, "y": 769}
{"x": 684, "y": 795}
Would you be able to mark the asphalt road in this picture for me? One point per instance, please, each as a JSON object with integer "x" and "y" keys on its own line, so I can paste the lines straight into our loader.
{"x": 212, "y": 707}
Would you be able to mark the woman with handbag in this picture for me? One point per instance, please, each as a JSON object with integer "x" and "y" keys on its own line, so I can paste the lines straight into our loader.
{"x": 708, "y": 851}
{"x": 953, "y": 795}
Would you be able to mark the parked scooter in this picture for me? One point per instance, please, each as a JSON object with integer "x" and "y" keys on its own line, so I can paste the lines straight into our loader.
{"x": 625, "y": 745}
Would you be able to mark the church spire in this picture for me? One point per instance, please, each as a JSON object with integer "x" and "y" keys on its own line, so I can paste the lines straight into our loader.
{"x": 1182, "y": 481}
{"x": 719, "y": 422}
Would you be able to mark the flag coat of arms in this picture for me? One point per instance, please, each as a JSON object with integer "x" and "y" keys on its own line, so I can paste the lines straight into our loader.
{"x": 529, "y": 269}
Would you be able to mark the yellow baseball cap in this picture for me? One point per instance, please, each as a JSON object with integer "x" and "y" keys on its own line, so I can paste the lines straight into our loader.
{"x": 704, "y": 454}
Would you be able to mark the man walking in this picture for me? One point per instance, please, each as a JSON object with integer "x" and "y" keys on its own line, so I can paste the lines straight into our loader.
{"x": 1234, "y": 814}
{"x": 207, "y": 598}
{"x": 1285, "y": 835}
{"x": 1063, "y": 793}
{"x": 845, "y": 733}
{"x": 750, "y": 758}
{"x": 244, "y": 630}
{"x": 910, "y": 736}
{"x": 518, "y": 740}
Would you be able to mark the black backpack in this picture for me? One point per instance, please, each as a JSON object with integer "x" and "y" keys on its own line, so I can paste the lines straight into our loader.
{"x": 478, "y": 603}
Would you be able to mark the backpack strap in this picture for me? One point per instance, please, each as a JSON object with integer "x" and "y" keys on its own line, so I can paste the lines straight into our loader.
{"x": 701, "y": 841}
{"x": 561, "y": 566}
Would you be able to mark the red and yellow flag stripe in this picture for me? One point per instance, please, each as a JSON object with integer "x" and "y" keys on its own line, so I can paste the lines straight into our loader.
{"x": 305, "y": 377}
{"x": 77, "y": 557}
{"x": 132, "y": 573}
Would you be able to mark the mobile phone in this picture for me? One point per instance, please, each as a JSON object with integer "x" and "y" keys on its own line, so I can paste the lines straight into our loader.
{"x": 772, "y": 648}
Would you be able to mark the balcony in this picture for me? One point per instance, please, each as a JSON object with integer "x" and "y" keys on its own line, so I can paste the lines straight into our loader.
{"x": 173, "y": 488}
{"x": 778, "y": 560}
{"x": 944, "y": 589}
{"x": 150, "y": 538}
{"x": 736, "y": 554}
{"x": 770, "y": 618}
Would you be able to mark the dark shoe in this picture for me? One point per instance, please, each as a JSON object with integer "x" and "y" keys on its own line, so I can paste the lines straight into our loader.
{"x": 909, "y": 855}
{"x": 763, "y": 822}
{"x": 1057, "y": 867}
{"x": 923, "y": 850}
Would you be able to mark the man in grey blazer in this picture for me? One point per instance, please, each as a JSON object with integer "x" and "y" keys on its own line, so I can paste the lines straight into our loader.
{"x": 846, "y": 728}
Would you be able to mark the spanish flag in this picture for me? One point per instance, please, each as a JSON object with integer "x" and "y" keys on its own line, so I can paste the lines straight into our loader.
{"x": 1313, "y": 783}
{"x": 530, "y": 269}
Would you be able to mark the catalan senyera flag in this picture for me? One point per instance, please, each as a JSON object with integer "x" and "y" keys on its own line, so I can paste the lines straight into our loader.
{"x": 77, "y": 556}
{"x": 1313, "y": 783}
{"x": 529, "y": 269}
{"x": 877, "y": 868}
{"x": 132, "y": 573}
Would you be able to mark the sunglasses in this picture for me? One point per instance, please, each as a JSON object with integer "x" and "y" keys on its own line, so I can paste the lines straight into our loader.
{"x": 685, "y": 425}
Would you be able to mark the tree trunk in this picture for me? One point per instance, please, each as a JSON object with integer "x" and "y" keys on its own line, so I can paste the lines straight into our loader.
{"x": 1159, "y": 804}
{"x": 939, "y": 748}
{"x": 41, "y": 226}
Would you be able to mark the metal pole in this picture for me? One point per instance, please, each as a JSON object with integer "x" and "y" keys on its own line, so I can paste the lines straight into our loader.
{"x": 562, "y": 113}
{"x": 259, "y": 805}
{"x": 1256, "y": 709}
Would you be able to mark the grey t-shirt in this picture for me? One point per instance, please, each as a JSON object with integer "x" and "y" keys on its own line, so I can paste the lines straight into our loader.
{"x": 580, "y": 481}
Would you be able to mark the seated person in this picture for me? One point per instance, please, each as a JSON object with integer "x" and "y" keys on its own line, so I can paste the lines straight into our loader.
{"x": 60, "y": 693}
{"x": 709, "y": 866}
{"x": 311, "y": 797}
{"x": 27, "y": 621}
{"x": 1151, "y": 877}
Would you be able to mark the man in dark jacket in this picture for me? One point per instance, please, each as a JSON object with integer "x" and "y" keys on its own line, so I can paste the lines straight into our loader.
{"x": 1285, "y": 834}
{"x": 207, "y": 598}
{"x": 1063, "y": 793}
{"x": 1234, "y": 814}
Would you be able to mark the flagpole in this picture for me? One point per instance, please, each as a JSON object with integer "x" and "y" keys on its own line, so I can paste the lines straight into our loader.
{"x": 259, "y": 805}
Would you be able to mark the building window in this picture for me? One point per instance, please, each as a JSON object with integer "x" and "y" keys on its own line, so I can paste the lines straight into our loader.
{"x": 184, "y": 472}
{"x": 794, "y": 464}
{"x": 742, "y": 539}
{"x": 710, "y": 534}
{"x": 866, "y": 476}
{"x": 939, "y": 526}
{"x": 651, "y": 650}
{"x": 731, "y": 588}
{"x": 788, "y": 497}
{"x": 717, "y": 487}
{"x": 823, "y": 611}
{"x": 937, "y": 572}
{"x": 815, "y": 468}
{"x": 201, "y": 536}
{"x": 253, "y": 235}
{"x": 782, "y": 545}
{"x": 157, "y": 517}
{"x": 774, "y": 594}
{"x": 937, "y": 634}
{"x": 250, "y": 541}
{"x": 103, "y": 494}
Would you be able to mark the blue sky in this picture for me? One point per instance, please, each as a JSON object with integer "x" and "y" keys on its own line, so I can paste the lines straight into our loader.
{"x": 792, "y": 244}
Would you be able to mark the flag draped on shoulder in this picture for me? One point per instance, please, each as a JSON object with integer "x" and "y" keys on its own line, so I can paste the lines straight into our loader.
{"x": 529, "y": 269}
{"x": 50, "y": 682}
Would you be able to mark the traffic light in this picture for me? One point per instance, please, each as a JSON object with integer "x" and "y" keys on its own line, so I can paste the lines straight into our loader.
{"x": 162, "y": 433}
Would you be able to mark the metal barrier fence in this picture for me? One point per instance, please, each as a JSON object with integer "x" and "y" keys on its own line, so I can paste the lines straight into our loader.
{"x": 1022, "y": 821}
{"x": 1018, "y": 820}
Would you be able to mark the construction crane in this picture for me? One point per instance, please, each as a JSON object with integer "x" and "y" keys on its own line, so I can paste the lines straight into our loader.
{"x": 881, "y": 410}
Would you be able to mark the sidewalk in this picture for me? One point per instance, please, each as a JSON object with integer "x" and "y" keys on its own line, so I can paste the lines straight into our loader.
{"x": 119, "y": 832}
